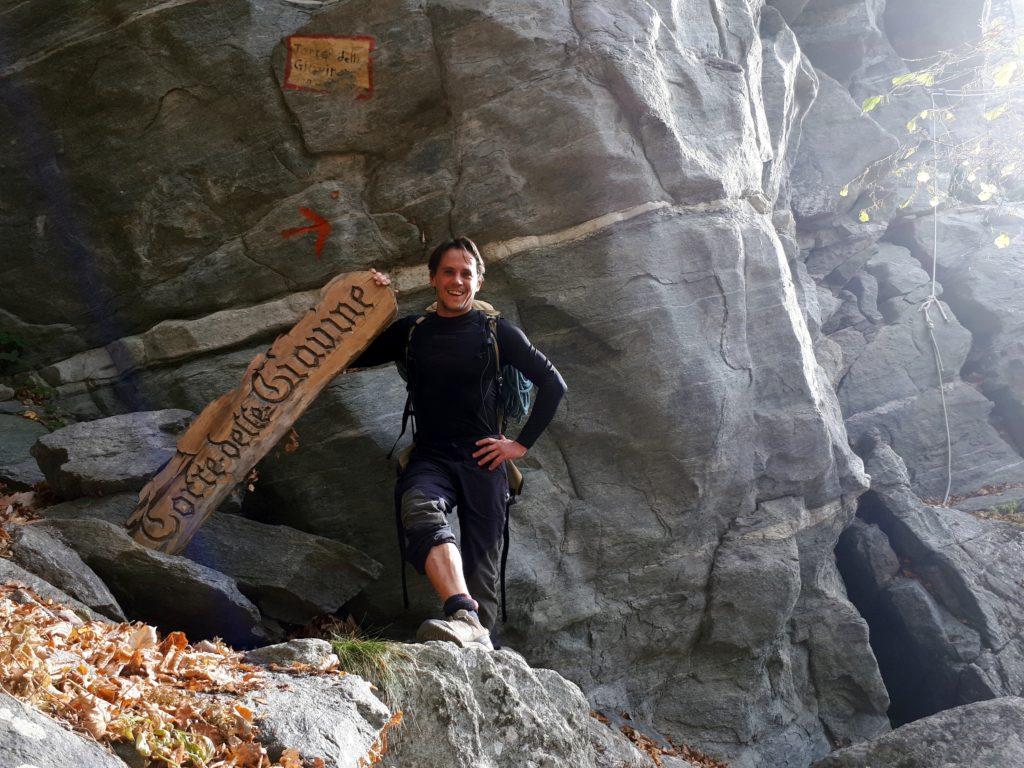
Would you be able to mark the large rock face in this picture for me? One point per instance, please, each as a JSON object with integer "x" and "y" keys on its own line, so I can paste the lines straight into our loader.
{"x": 619, "y": 168}
{"x": 636, "y": 177}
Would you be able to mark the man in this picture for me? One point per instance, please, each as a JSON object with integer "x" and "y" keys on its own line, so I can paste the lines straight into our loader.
{"x": 459, "y": 455}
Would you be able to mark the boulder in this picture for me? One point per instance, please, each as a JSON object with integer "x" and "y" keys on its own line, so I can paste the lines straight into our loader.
{"x": 18, "y": 470}
{"x": 471, "y": 707}
{"x": 11, "y": 573}
{"x": 168, "y": 591}
{"x": 119, "y": 453}
{"x": 986, "y": 733}
{"x": 290, "y": 575}
{"x": 49, "y": 558}
{"x": 334, "y": 717}
{"x": 30, "y": 739}
{"x": 898, "y": 361}
{"x": 307, "y": 650}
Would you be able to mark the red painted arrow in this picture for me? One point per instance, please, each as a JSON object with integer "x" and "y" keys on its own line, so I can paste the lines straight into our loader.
{"x": 320, "y": 225}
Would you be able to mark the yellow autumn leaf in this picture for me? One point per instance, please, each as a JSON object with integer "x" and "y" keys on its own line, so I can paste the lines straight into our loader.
{"x": 923, "y": 176}
{"x": 1004, "y": 73}
{"x": 995, "y": 112}
{"x": 870, "y": 103}
{"x": 844, "y": 191}
{"x": 863, "y": 217}
{"x": 934, "y": 201}
{"x": 1002, "y": 241}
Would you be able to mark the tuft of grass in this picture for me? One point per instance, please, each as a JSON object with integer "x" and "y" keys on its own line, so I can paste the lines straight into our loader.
{"x": 1009, "y": 511}
{"x": 373, "y": 658}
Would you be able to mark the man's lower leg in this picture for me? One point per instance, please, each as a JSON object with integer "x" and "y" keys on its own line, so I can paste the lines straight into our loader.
{"x": 461, "y": 624}
{"x": 444, "y": 570}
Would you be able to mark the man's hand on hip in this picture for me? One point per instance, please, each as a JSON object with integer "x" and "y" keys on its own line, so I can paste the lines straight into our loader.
{"x": 497, "y": 450}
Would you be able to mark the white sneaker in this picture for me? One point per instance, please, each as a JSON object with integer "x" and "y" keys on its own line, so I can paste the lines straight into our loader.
{"x": 462, "y": 628}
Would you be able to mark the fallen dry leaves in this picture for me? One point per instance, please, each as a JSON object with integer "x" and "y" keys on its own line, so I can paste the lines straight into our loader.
{"x": 123, "y": 683}
{"x": 655, "y": 751}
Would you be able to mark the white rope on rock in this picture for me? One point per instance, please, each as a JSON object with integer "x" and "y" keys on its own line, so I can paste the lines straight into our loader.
{"x": 933, "y": 299}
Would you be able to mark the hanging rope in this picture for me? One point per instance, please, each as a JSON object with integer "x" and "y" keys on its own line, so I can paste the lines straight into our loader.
{"x": 933, "y": 299}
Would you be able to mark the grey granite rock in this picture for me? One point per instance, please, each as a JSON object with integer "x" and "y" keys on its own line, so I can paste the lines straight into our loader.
{"x": 471, "y": 707}
{"x": 49, "y": 558}
{"x": 169, "y": 591}
{"x": 18, "y": 469}
{"x": 290, "y": 575}
{"x": 837, "y": 144}
{"x": 985, "y": 287}
{"x": 987, "y": 733}
{"x": 898, "y": 361}
{"x": 12, "y": 573}
{"x": 915, "y": 429}
{"x": 619, "y": 163}
{"x": 840, "y": 37}
{"x": 32, "y": 739}
{"x": 307, "y": 650}
{"x": 947, "y": 626}
{"x": 6, "y": 393}
{"x": 119, "y": 453}
{"x": 334, "y": 717}
{"x": 870, "y": 564}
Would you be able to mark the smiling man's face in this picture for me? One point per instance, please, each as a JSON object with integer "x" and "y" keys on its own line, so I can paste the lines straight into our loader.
{"x": 456, "y": 282}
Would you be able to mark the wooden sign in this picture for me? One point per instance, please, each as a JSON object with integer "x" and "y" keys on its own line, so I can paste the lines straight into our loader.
{"x": 329, "y": 63}
{"x": 239, "y": 428}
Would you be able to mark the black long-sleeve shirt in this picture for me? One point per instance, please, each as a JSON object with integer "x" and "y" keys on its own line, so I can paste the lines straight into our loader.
{"x": 451, "y": 369}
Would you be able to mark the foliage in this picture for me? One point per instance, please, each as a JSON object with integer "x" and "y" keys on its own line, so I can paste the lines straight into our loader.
{"x": 12, "y": 350}
{"x": 975, "y": 114}
{"x": 1008, "y": 511}
{"x": 47, "y": 412}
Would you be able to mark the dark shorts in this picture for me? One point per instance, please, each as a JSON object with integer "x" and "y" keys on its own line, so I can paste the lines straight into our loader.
{"x": 443, "y": 478}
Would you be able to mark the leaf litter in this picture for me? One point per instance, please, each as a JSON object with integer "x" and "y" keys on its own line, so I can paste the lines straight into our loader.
{"x": 123, "y": 683}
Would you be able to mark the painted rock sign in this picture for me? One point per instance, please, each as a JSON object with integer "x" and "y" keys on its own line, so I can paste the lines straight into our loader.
{"x": 329, "y": 63}
{"x": 239, "y": 428}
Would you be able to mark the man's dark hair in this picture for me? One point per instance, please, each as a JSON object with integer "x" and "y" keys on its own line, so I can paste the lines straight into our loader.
{"x": 459, "y": 244}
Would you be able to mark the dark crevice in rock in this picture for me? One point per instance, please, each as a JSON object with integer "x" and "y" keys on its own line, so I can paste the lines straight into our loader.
{"x": 930, "y": 604}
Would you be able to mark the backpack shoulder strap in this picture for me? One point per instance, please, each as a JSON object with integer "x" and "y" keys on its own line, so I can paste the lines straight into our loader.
{"x": 492, "y": 333}
{"x": 407, "y": 412}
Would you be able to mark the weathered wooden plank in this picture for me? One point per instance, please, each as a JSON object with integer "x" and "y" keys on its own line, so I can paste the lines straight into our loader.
{"x": 238, "y": 428}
